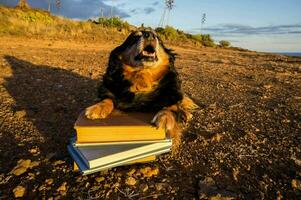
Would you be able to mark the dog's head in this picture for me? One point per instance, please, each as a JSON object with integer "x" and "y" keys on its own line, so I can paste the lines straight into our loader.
{"x": 143, "y": 48}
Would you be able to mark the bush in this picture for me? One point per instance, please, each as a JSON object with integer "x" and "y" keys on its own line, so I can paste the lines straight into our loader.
{"x": 168, "y": 33}
{"x": 115, "y": 22}
{"x": 207, "y": 40}
{"x": 224, "y": 43}
{"x": 197, "y": 37}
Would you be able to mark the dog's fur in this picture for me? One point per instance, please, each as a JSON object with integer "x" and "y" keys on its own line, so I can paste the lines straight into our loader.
{"x": 141, "y": 77}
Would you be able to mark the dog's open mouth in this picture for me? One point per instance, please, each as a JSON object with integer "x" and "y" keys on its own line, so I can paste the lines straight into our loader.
{"x": 148, "y": 54}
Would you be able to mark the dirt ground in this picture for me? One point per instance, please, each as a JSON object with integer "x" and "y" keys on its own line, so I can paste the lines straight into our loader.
{"x": 244, "y": 142}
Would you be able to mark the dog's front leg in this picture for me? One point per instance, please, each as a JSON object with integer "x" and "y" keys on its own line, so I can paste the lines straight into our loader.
{"x": 100, "y": 110}
{"x": 166, "y": 119}
{"x": 173, "y": 117}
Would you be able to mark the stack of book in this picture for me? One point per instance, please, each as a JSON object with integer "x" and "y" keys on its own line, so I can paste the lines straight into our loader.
{"x": 120, "y": 139}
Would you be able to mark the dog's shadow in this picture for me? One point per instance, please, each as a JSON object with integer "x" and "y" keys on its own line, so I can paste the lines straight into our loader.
{"x": 51, "y": 98}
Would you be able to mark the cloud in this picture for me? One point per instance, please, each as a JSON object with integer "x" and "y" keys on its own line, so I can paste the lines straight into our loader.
{"x": 80, "y": 9}
{"x": 148, "y": 10}
{"x": 238, "y": 29}
{"x": 134, "y": 11}
{"x": 155, "y": 3}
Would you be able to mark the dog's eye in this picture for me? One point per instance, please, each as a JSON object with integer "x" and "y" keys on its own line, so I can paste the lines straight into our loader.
{"x": 138, "y": 33}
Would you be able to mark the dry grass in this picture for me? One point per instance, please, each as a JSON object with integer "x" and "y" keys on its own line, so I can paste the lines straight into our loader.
{"x": 39, "y": 23}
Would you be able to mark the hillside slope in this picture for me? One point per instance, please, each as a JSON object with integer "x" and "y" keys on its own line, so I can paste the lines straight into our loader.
{"x": 36, "y": 23}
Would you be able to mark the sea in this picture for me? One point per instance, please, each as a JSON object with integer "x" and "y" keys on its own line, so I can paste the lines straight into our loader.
{"x": 290, "y": 53}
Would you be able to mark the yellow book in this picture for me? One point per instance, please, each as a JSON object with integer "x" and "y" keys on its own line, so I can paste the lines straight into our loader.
{"x": 142, "y": 160}
{"x": 118, "y": 127}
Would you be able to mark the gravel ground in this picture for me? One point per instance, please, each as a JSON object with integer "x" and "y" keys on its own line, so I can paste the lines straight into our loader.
{"x": 244, "y": 142}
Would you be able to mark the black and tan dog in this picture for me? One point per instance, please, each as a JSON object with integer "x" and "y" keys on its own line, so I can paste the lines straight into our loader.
{"x": 141, "y": 77}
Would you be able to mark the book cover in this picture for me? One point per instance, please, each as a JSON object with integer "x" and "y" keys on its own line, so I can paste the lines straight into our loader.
{"x": 118, "y": 126}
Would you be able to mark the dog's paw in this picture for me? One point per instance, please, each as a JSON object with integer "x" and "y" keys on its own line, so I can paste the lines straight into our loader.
{"x": 100, "y": 110}
{"x": 188, "y": 104}
{"x": 165, "y": 119}
{"x": 185, "y": 116}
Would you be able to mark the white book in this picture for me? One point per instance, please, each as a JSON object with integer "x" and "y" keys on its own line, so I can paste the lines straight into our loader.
{"x": 75, "y": 153}
{"x": 95, "y": 156}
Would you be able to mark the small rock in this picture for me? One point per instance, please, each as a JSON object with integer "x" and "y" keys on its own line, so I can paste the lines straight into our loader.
{"x": 131, "y": 172}
{"x": 42, "y": 187}
{"x": 58, "y": 162}
{"x": 130, "y": 181}
{"x": 296, "y": 184}
{"x": 268, "y": 86}
{"x": 31, "y": 176}
{"x": 160, "y": 186}
{"x": 220, "y": 197}
{"x": 34, "y": 164}
{"x": 19, "y": 191}
{"x": 21, "y": 167}
{"x": 62, "y": 187}
{"x": 235, "y": 173}
{"x": 143, "y": 187}
{"x": 99, "y": 179}
{"x": 20, "y": 114}
{"x": 34, "y": 150}
{"x": 216, "y": 138}
{"x": 149, "y": 172}
{"x": 116, "y": 185}
{"x": 49, "y": 181}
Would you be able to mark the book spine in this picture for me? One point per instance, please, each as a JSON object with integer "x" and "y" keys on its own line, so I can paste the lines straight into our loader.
{"x": 79, "y": 161}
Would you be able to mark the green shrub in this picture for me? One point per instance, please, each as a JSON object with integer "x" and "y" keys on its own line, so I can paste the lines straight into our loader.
{"x": 224, "y": 43}
{"x": 115, "y": 22}
{"x": 170, "y": 33}
{"x": 197, "y": 37}
{"x": 207, "y": 40}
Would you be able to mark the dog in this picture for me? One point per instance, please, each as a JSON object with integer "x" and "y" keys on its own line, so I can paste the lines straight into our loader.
{"x": 141, "y": 77}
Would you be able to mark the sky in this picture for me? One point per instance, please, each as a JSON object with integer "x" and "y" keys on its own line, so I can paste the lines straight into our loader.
{"x": 261, "y": 25}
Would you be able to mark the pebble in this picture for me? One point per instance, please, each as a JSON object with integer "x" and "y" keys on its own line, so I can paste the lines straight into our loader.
{"x": 143, "y": 187}
{"x": 235, "y": 173}
{"x": 160, "y": 186}
{"x": 49, "y": 181}
{"x": 21, "y": 167}
{"x": 216, "y": 138}
{"x": 42, "y": 187}
{"x": 62, "y": 187}
{"x": 19, "y": 191}
{"x": 296, "y": 184}
{"x": 58, "y": 162}
{"x": 99, "y": 179}
{"x": 130, "y": 181}
{"x": 220, "y": 197}
{"x": 20, "y": 114}
{"x": 34, "y": 164}
{"x": 131, "y": 172}
{"x": 149, "y": 172}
